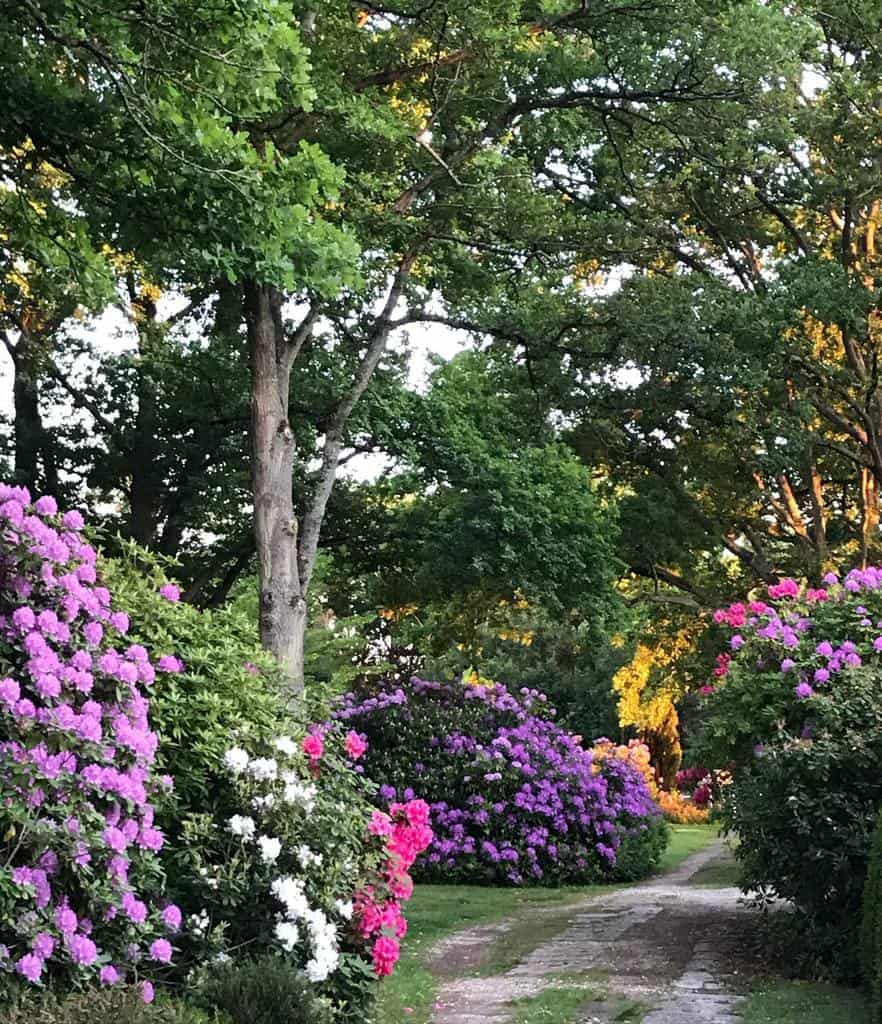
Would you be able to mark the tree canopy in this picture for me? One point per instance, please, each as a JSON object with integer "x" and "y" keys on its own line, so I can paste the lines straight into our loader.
{"x": 655, "y": 225}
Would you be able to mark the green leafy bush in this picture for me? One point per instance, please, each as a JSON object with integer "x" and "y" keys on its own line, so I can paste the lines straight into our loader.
{"x": 229, "y": 684}
{"x": 871, "y": 925}
{"x": 262, "y": 991}
{"x": 118, "y": 1005}
{"x": 639, "y": 853}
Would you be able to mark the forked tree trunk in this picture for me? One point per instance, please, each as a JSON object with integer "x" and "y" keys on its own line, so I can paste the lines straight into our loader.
{"x": 282, "y": 615}
{"x": 286, "y": 552}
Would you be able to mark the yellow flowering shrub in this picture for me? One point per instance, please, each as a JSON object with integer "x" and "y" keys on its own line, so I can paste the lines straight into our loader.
{"x": 648, "y": 689}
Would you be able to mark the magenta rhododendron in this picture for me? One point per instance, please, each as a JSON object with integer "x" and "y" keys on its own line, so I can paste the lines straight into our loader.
{"x": 77, "y": 831}
{"x": 378, "y": 912}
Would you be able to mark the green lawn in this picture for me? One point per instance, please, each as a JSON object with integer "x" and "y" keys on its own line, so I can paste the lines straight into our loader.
{"x": 802, "y": 1002}
{"x": 686, "y": 840}
{"x": 439, "y": 910}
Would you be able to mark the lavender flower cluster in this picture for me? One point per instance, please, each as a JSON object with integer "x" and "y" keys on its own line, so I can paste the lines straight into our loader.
{"x": 78, "y": 843}
{"x": 514, "y": 798}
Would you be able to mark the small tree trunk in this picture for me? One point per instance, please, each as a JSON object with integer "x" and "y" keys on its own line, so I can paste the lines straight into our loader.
{"x": 282, "y": 605}
{"x": 28, "y": 426}
{"x": 33, "y": 442}
{"x": 869, "y": 515}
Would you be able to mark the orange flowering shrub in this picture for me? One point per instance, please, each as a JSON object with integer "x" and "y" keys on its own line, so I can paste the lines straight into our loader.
{"x": 677, "y": 809}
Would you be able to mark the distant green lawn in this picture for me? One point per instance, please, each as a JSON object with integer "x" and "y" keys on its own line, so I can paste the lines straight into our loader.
{"x": 686, "y": 840}
{"x": 802, "y": 1002}
{"x": 440, "y": 910}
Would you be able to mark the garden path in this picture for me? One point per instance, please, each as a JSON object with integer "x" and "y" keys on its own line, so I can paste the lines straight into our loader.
{"x": 664, "y": 947}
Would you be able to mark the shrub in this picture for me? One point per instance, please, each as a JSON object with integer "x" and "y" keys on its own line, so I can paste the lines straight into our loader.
{"x": 227, "y": 684}
{"x": 262, "y": 991}
{"x": 118, "y": 1005}
{"x": 680, "y": 811}
{"x": 80, "y": 879}
{"x": 514, "y": 798}
{"x": 871, "y": 925}
{"x": 270, "y": 844}
{"x": 307, "y": 868}
{"x": 799, "y": 713}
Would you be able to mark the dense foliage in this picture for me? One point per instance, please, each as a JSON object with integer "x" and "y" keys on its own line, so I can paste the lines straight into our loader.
{"x": 105, "y": 1006}
{"x": 871, "y": 924}
{"x": 515, "y": 799}
{"x": 262, "y": 991}
{"x": 799, "y": 715}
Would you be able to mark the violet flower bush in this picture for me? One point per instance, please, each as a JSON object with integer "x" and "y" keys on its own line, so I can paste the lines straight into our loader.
{"x": 79, "y": 873}
{"x": 514, "y": 798}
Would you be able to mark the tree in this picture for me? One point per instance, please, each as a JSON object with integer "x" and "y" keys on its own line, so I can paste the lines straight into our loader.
{"x": 726, "y": 379}
{"x": 451, "y": 122}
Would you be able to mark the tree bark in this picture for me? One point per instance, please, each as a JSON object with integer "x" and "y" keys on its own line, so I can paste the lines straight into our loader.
{"x": 146, "y": 487}
{"x": 282, "y": 615}
{"x": 33, "y": 445}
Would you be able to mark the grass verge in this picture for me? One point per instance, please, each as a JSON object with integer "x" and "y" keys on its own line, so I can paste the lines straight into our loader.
{"x": 803, "y": 1002}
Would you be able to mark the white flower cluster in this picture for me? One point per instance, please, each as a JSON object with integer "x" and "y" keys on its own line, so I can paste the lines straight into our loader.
{"x": 290, "y": 892}
{"x": 236, "y": 760}
{"x": 298, "y": 923}
{"x": 199, "y": 923}
{"x": 264, "y": 769}
{"x": 344, "y": 908}
{"x": 308, "y": 858}
{"x": 270, "y": 848}
{"x": 299, "y": 793}
{"x": 242, "y": 825}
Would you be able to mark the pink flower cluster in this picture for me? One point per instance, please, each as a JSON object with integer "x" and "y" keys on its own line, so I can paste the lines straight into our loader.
{"x": 76, "y": 774}
{"x": 378, "y": 912}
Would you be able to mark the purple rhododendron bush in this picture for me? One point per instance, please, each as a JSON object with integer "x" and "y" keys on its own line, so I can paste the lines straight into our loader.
{"x": 79, "y": 872}
{"x": 515, "y": 799}
{"x": 798, "y": 715}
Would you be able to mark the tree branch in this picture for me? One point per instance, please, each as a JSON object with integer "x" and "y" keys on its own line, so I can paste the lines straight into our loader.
{"x": 327, "y": 474}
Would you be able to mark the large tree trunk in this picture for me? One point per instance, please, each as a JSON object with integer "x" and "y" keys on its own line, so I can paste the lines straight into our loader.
{"x": 282, "y": 603}
{"x": 286, "y": 553}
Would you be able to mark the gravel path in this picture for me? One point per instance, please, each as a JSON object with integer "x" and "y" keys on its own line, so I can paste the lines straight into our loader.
{"x": 666, "y": 944}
